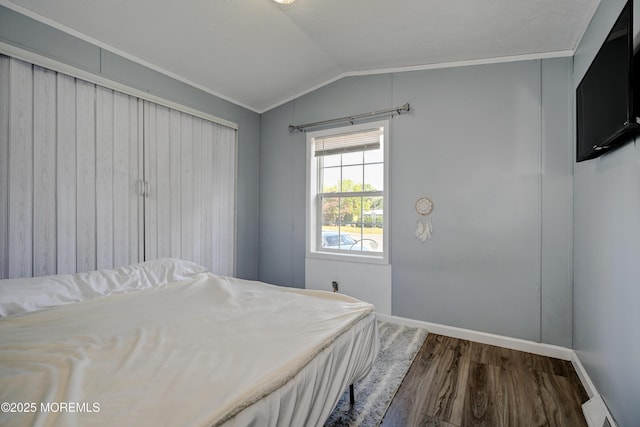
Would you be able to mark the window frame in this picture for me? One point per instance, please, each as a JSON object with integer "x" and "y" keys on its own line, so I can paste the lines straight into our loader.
{"x": 313, "y": 207}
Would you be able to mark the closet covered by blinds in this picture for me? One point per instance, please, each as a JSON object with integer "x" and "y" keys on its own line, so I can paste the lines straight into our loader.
{"x": 92, "y": 178}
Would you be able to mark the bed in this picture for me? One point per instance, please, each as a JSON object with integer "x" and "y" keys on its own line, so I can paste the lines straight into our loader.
{"x": 167, "y": 343}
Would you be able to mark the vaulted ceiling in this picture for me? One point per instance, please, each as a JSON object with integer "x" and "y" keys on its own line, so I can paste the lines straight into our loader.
{"x": 258, "y": 53}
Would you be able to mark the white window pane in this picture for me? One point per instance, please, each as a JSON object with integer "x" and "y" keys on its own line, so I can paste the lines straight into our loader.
{"x": 372, "y": 240}
{"x": 337, "y": 239}
{"x": 330, "y": 180}
{"x": 373, "y": 220}
{"x": 351, "y": 210}
{"x": 352, "y": 178}
{"x": 374, "y": 177}
{"x": 332, "y": 160}
{"x": 330, "y": 211}
{"x": 374, "y": 156}
{"x": 349, "y": 242}
{"x": 330, "y": 238}
{"x": 354, "y": 158}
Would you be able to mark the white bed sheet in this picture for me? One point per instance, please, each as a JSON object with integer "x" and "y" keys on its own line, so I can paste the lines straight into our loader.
{"x": 309, "y": 398}
{"x": 29, "y": 294}
{"x": 191, "y": 353}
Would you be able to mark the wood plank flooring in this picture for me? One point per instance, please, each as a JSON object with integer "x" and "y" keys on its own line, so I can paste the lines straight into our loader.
{"x": 456, "y": 383}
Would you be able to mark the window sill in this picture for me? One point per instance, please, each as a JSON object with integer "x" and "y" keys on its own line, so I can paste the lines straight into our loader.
{"x": 367, "y": 259}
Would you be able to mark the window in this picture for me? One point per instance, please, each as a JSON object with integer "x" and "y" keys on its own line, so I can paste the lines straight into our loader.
{"x": 347, "y": 192}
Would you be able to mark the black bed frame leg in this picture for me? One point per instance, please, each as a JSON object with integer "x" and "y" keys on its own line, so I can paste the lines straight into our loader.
{"x": 352, "y": 398}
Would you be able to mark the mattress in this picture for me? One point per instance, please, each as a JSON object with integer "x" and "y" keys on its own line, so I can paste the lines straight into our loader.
{"x": 203, "y": 351}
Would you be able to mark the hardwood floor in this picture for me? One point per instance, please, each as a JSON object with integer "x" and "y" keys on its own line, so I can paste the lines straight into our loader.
{"x": 456, "y": 383}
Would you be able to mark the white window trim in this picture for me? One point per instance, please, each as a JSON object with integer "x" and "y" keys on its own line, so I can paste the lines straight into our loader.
{"x": 312, "y": 199}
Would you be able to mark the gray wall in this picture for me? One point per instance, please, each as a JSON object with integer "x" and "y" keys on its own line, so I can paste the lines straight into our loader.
{"x": 31, "y": 35}
{"x": 489, "y": 144}
{"x": 606, "y": 255}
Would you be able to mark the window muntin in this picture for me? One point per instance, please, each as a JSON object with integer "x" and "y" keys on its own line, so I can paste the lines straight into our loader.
{"x": 347, "y": 194}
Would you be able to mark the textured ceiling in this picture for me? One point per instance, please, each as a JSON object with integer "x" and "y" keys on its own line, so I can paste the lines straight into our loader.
{"x": 258, "y": 53}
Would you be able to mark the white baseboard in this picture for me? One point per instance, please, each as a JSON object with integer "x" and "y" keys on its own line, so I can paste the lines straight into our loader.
{"x": 548, "y": 350}
{"x": 588, "y": 385}
{"x": 595, "y": 410}
{"x": 597, "y": 414}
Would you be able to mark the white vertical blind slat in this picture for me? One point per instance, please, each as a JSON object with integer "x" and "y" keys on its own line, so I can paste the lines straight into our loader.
{"x": 186, "y": 190}
{"x": 120, "y": 180}
{"x": 104, "y": 178}
{"x": 227, "y": 164}
{"x": 162, "y": 183}
{"x": 21, "y": 170}
{"x": 66, "y": 174}
{"x": 135, "y": 172}
{"x": 86, "y": 176}
{"x": 196, "y": 218}
{"x": 44, "y": 168}
{"x": 150, "y": 173}
{"x": 139, "y": 114}
{"x": 175, "y": 161}
{"x": 208, "y": 215}
{"x": 218, "y": 199}
{"x": 4, "y": 166}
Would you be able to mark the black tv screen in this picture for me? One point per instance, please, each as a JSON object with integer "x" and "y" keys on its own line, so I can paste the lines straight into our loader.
{"x": 606, "y": 114}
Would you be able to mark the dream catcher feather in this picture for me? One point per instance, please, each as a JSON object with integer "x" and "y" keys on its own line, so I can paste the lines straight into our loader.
{"x": 424, "y": 227}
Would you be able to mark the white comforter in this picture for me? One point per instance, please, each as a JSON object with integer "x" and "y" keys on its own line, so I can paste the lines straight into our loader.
{"x": 191, "y": 353}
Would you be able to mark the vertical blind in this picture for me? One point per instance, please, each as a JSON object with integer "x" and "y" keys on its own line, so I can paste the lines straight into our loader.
{"x": 190, "y": 166}
{"x": 72, "y": 158}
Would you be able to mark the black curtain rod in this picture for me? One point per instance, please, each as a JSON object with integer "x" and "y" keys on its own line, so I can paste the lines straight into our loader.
{"x": 390, "y": 111}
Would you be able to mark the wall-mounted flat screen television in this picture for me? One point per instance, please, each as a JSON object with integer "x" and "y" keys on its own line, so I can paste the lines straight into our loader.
{"x": 607, "y": 97}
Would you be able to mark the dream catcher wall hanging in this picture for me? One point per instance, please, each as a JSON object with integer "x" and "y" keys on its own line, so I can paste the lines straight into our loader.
{"x": 424, "y": 206}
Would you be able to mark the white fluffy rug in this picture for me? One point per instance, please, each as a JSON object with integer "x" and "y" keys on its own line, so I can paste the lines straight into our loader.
{"x": 373, "y": 394}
